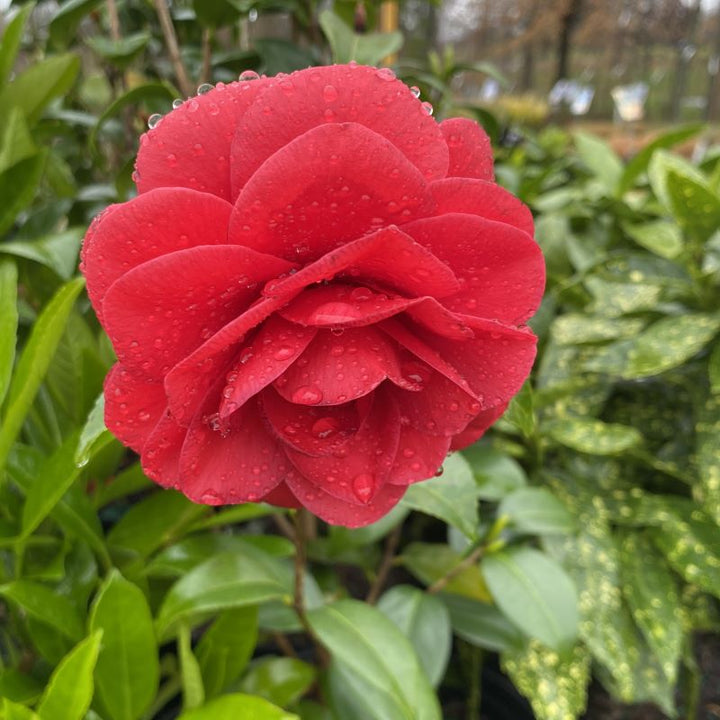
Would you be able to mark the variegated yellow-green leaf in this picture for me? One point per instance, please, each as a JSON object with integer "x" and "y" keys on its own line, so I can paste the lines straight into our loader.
{"x": 707, "y": 434}
{"x": 594, "y": 436}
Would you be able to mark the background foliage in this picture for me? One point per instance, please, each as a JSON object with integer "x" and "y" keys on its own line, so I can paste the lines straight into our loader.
{"x": 580, "y": 539}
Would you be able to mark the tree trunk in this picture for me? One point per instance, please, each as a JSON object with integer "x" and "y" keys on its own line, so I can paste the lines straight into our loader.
{"x": 568, "y": 21}
{"x": 713, "y": 94}
{"x": 682, "y": 62}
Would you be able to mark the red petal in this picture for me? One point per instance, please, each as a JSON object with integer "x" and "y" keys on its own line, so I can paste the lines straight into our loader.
{"x": 276, "y": 346}
{"x": 478, "y": 197}
{"x": 336, "y": 369}
{"x": 145, "y": 228}
{"x": 161, "y": 453}
{"x": 162, "y": 310}
{"x": 282, "y": 497}
{"x": 476, "y": 429}
{"x": 190, "y": 380}
{"x": 338, "y": 94}
{"x": 311, "y": 430}
{"x": 325, "y": 188}
{"x": 133, "y": 406}
{"x": 230, "y": 461}
{"x": 501, "y": 268}
{"x": 470, "y": 149}
{"x": 419, "y": 456}
{"x": 190, "y": 146}
{"x": 357, "y": 471}
{"x": 387, "y": 256}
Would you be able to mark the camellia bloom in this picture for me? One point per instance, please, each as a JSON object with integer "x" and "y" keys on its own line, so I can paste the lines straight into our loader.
{"x": 318, "y": 292}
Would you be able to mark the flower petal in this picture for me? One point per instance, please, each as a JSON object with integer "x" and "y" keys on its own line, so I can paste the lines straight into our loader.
{"x": 281, "y": 496}
{"x": 159, "y": 312}
{"x": 418, "y": 457}
{"x": 191, "y": 146}
{"x": 477, "y": 428}
{"x": 133, "y": 406}
{"x": 338, "y": 94}
{"x": 326, "y": 188}
{"x": 338, "y": 368}
{"x": 230, "y": 461}
{"x": 147, "y": 227}
{"x": 501, "y": 268}
{"x": 161, "y": 453}
{"x": 470, "y": 149}
{"x": 478, "y": 197}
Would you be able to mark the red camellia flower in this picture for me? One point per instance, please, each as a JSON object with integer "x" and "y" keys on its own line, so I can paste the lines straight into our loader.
{"x": 318, "y": 292}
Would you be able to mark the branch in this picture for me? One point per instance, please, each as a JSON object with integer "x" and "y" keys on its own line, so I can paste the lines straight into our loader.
{"x": 168, "y": 31}
{"x": 385, "y": 565}
{"x": 469, "y": 561}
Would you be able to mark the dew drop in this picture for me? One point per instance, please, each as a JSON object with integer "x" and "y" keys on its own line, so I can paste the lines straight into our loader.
{"x": 330, "y": 93}
{"x": 415, "y": 90}
{"x": 360, "y": 294}
{"x": 248, "y": 75}
{"x": 408, "y": 453}
{"x": 325, "y": 427}
{"x": 210, "y": 497}
{"x": 386, "y": 74}
{"x": 363, "y": 486}
{"x": 177, "y": 102}
{"x": 329, "y": 115}
{"x": 415, "y": 375}
{"x": 307, "y": 395}
{"x": 283, "y": 352}
{"x": 428, "y": 108}
{"x": 154, "y": 120}
{"x": 204, "y": 88}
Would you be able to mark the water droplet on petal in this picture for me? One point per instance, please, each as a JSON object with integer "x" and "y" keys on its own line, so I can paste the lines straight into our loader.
{"x": 283, "y": 352}
{"x": 204, "y": 88}
{"x": 363, "y": 486}
{"x": 177, "y": 102}
{"x": 408, "y": 453}
{"x": 415, "y": 90}
{"x": 330, "y": 93}
{"x": 415, "y": 374}
{"x": 428, "y": 108}
{"x": 325, "y": 427}
{"x": 210, "y": 497}
{"x": 307, "y": 395}
{"x": 360, "y": 294}
{"x": 386, "y": 74}
{"x": 248, "y": 75}
{"x": 153, "y": 120}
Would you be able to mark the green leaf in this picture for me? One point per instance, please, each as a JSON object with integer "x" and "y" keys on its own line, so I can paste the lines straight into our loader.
{"x": 11, "y": 41}
{"x": 120, "y": 52}
{"x": 64, "y": 24}
{"x": 226, "y": 581}
{"x": 600, "y": 159}
{"x": 94, "y": 435}
{"x": 34, "y": 362}
{"x": 215, "y": 13}
{"x": 651, "y": 593}
{"x": 58, "y": 251}
{"x": 154, "y": 522}
{"x": 612, "y": 299}
{"x": 8, "y": 323}
{"x": 17, "y": 143}
{"x": 425, "y": 621}
{"x": 70, "y": 689}
{"x": 226, "y": 647}
{"x": 535, "y": 593}
{"x": 192, "y": 684}
{"x": 236, "y": 706}
{"x": 497, "y": 474}
{"x": 55, "y": 476}
{"x": 127, "y": 669}
{"x": 707, "y": 432}
{"x": 695, "y": 204}
{"x": 380, "y": 659}
{"x": 482, "y": 624}
{"x": 17, "y": 187}
{"x": 668, "y": 343}
{"x": 451, "y": 497}
{"x": 536, "y": 510}
{"x": 594, "y": 436}
{"x": 15, "y": 711}
{"x": 661, "y": 165}
{"x": 45, "y": 605}
{"x": 713, "y": 369}
{"x": 555, "y": 685}
{"x": 430, "y": 561}
{"x": 36, "y": 86}
{"x": 521, "y": 411}
{"x": 19, "y": 687}
{"x": 659, "y": 236}
{"x": 346, "y": 45}
{"x": 282, "y": 681}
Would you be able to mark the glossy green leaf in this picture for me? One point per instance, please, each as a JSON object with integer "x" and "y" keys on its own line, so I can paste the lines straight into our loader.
{"x": 120, "y": 52}
{"x": 555, "y": 685}
{"x": 154, "y": 522}
{"x": 536, "y": 510}
{"x": 226, "y": 647}
{"x": 34, "y": 362}
{"x": 521, "y": 411}
{"x": 19, "y": 687}
{"x": 57, "y": 251}
{"x": 225, "y": 581}
{"x": 371, "y": 649}
{"x": 651, "y": 593}
{"x": 94, "y": 434}
{"x": 535, "y": 593}
{"x": 425, "y": 621}
{"x": 282, "y": 681}
{"x": 659, "y": 236}
{"x": 18, "y": 185}
{"x": 8, "y": 323}
{"x": 236, "y": 706}
{"x": 216, "y": 13}
{"x": 16, "y": 143}
{"x": 695, "y": 204}
{"x": 346, "y": 45}
{"x": 600, "y": 159}
{"x": 496, "y": 473}
{"x": 127, "y": 671}
{"x": 44, "y": 604}
{"x": 70, "y": 14}
{"x": 451, "y": 497}
{"x": 661, "y": 165}
{"x": 55, "y": 476}
{"x": 430, "y": 561}
{"x": 190, "y": 676}
{"x": 482, "y": 624}
{"x": 11, "y": 40}
{"x": 594, "y": 436}
{"x": 14, "y": 711}
{"x": 40, "y": 83}
{"x": 70, "y": 688}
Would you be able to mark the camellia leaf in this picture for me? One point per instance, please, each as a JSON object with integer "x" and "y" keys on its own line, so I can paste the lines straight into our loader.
{"x": 127, "y": 671}
{"x": 67, "y": 18}
{"x": 381, "y": 661}
{"x": 346, "y": 45}
{"x": 536, "y": 510}
{"x": 192, "y": 684}
{"x": 425, "y": 621}
{"x": 8, "y": 323}
{"x": 555, "y": 685}
{"x": 594, "y": 436}
{"x": 497, "y": 474}
{"x": 70, "y": 688}
{"x": 94, "y": 434}
{"x": 282, "y": 681}
{"x": 535, "y": 593}
{"x": 11, "y": 41}
{"x": 452, "y": 497}
{"x": 236, "y": 706}
{"x": 18, "y": 184}
{"x": 34, "y": 362}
